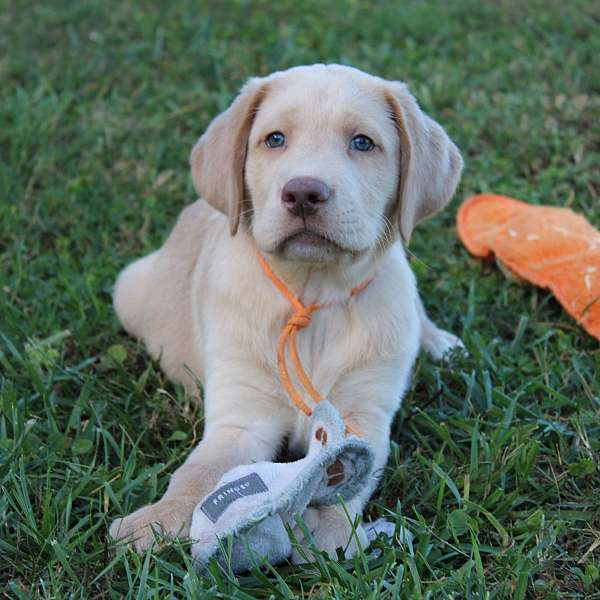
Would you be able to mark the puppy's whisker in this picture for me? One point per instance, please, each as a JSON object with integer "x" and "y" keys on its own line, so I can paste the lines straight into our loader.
{"x": 248, "y": 211}
{"x": 415, "y": 257}
{"x": 387, "y": 236}
{"x": 389, "y": 230}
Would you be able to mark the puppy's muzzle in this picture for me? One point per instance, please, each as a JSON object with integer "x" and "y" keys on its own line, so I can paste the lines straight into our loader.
{"x": 303, "y": 196}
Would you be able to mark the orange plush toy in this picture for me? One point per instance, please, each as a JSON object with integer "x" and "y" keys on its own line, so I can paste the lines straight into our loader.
{"x": 553, "y": 248}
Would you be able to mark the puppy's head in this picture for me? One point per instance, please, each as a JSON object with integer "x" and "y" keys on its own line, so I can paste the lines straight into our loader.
{"x": 325, "y": 163}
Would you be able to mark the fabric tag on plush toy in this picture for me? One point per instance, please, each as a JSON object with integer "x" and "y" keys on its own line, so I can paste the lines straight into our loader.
{"x": 216, "y": 504}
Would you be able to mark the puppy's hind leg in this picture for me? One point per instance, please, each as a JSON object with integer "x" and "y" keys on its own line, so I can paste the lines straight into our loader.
{"x": 437, "y": 342}
{"x": 131, "y": 294}
{"x": 153, "y": 298}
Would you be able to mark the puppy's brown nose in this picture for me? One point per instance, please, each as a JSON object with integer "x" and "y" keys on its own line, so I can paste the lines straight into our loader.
{"x": 303, "y": 196}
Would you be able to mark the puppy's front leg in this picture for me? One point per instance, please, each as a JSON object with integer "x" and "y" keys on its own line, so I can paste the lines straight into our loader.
{"x": 437, "y": 342}
{"x": 332, "y": 526}
{"x": 233, "y": 440}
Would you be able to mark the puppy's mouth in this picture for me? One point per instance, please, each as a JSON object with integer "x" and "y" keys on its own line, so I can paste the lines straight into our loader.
{"x": 309, "y": 238}
{"x": 307, "y": 245}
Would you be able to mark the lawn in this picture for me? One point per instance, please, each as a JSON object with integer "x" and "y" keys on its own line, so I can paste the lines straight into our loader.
{"x": 494, "y": 462}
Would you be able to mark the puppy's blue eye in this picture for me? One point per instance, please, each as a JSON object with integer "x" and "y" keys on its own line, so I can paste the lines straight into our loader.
{"x": 362, "y": 143}
{"x": 275, "y": 139}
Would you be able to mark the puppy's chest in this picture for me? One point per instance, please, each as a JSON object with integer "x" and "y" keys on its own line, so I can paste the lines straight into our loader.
{"x": 338, "y": 340}
{"x": 374, "y": 329}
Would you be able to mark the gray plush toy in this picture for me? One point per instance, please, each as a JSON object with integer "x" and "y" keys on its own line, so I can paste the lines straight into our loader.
{"x": 254, "y": 503}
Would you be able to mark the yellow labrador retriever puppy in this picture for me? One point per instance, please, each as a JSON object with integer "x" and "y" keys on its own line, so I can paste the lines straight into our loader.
{"x": 325, "y": 171}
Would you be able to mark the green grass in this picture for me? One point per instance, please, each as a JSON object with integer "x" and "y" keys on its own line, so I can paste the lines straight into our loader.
{"x": 494, "y": 463}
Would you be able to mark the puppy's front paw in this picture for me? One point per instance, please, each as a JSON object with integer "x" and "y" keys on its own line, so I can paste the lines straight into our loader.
{"x": 171, "y": 518}
{"x": 440, "y": 344}
{"x": 330, "y": 529}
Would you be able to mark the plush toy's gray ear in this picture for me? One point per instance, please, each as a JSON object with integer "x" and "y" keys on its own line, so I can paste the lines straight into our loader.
{"x": 430, "y": 162}
{"x": 219, "y": 156}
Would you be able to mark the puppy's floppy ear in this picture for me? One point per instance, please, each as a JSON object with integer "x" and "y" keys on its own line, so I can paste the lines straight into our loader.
{"x": 430, "y": 162}
{"x": 219, "y": 157}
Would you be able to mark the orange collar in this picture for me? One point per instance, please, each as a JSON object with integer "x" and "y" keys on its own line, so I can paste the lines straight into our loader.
{"x": 299, "y": 320}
